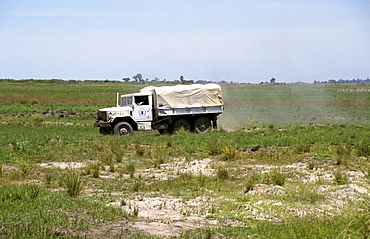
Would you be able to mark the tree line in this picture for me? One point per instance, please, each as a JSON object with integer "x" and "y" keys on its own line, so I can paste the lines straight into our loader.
{"x": 342, "y": 81}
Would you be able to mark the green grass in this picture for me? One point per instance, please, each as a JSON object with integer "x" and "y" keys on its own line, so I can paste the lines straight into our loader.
{"x": 28, "y": 211}
{"x": 298, "y": 228}
{"x": 275, "y": 125}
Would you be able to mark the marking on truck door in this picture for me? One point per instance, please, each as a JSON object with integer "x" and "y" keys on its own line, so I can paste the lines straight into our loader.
{"x": 142, "y": 112}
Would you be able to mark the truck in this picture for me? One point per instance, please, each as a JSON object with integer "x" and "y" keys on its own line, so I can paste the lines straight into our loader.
{"x": 168, "y": 109}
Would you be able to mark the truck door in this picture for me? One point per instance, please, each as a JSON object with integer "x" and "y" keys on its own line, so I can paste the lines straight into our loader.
{"x": 143, "y": 108}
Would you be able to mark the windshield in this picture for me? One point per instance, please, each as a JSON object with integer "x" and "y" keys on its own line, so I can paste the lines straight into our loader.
{"x": 126, "y": 101}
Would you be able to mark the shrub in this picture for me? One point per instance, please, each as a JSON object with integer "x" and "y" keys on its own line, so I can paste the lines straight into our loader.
{"x": 48, "y": 178}
{"x": 136, "y": 186}
{"x": 35, "y": 102}
{"x": 130, "y": 168}
{"x": 276, "y": 177}
{"x": 135, "y": 211}
{"x": 311, "y": 165}
{"x": 93, "y": 168}
{"x": 215, "y": 147}
{"x": 25, "y": 166}
{"x": 72, "y": 181}
{"x": 229, "y": 152}
{"x": 261, "y": 177}
{"x": 363, "y": 149}
{"x": 139, "y": 150}
{"x": 222, "y": 173}
{"x": 32, "y": 191}
{"x": 343, "y": 154}
{"x": 112, "y": 168}
{"x": 169, "y": 143}
{"x": 302, "y": 148}
{"x": 159, "y": 156}
{"x": 343, "y": 149}
{"x": 340, "y": 178}
{"x": 37, "y": 118}
{"x": 250, "y": 182}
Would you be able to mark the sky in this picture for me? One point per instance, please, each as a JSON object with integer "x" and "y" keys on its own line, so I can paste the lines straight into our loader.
{"x": 247, "y": 41}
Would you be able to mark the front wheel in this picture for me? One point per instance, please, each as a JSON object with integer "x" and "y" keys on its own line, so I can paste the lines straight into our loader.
{"x": 123, "y": 128}
{"x": 202, "y": 125}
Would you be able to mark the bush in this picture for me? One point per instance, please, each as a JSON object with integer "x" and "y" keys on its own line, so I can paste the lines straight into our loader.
{"x": 229, "y": 153}
{"x": 340, "y": 178}
{"x": 222, "y": 173}
{"x": 276, "y": 177}
{"x": 130, "y": 168}
{"x": 37, "y": 118}
{"x": 139, "y": 150}
{"x": 35, "y": 102}
{"x": 72, "y": 181}
{"x": 93, "y": 168}
{"x": 250, "y": 182}
{"x": 363, "y": 149}
{"x": 159, "y": 156}
{"x": 215, "y": 146}
{"x": 25, "y": 166}
{"x": 302, "y": 148}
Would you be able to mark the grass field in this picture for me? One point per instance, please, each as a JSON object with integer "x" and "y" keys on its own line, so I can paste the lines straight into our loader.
{"x": 289, "y": 161}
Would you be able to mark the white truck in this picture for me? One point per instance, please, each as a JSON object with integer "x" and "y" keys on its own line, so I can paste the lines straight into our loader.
{"x": 166, "y": 109}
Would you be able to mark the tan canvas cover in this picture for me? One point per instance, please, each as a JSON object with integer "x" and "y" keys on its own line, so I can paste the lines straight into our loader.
{"x": 186, "y": 96}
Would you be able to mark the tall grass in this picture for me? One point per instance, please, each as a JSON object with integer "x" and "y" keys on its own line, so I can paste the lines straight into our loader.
{"x": 72, "y": 181}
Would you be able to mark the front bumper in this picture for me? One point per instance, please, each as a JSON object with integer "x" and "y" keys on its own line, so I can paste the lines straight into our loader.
{"x": 102, "y": 124}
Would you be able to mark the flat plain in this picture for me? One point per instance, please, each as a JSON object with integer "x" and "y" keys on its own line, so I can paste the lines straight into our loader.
{"x": 288, "y": 161}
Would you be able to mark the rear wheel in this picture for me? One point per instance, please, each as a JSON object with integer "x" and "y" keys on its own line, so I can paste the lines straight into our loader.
{"x": 181, "y": 124}
{"x": 202, "y": 125}
{"x": 123, "y": 128}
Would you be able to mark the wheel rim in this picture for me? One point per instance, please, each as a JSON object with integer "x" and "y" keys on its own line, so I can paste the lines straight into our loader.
{"x": 202, "y": 126}
{"x": 123, "y": 131}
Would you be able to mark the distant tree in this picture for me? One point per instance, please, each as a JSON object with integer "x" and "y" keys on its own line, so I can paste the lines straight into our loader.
{"x": 156, "y": 79}
{"x": 272, "y": 81}
{"x": 181, "y": 79}
{"x": 126, "y": 79}
{"x": 138, "y": 77}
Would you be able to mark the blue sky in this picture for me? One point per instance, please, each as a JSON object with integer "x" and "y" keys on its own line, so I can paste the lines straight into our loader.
{"x": 232, "y": 40}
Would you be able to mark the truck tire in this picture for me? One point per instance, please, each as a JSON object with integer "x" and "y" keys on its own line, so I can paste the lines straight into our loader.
{"x": 123, "y": 128}
{"x": 180, "y": 123}
{"x": 202, "y": 125}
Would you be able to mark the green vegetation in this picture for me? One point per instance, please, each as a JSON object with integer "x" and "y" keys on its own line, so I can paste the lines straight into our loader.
{"x": 295, "y": 165}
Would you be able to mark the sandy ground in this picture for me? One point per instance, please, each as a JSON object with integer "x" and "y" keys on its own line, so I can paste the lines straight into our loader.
{"x": 165, "y": 215}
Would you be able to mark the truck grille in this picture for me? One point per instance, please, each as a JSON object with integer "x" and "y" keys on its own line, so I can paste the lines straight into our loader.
{"x": 102, "y": 115}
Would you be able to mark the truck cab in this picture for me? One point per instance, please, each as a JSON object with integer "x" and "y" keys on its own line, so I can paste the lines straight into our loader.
{"x": 134, "y": 109}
